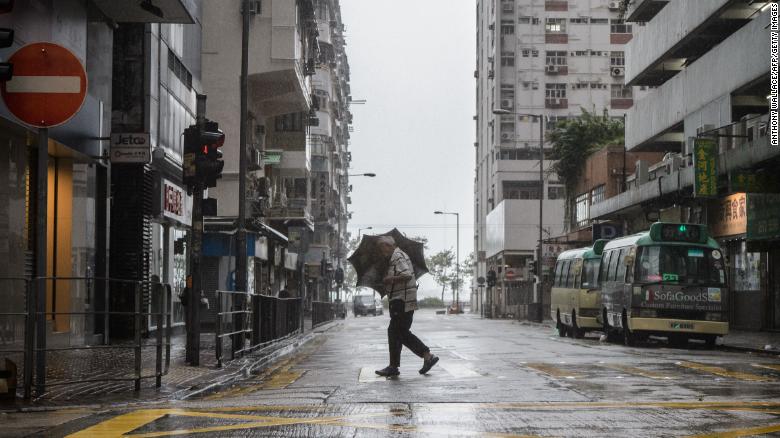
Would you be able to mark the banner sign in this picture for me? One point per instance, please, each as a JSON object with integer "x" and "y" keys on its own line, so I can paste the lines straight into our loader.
{"x": 729, "y": 216}
{"x": 705, "y": 165}
{"x": 763, "y": 216}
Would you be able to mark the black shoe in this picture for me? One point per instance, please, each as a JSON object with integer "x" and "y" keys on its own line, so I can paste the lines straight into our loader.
{"x": 388, "y": 372}
{"x": 428, "y": 364}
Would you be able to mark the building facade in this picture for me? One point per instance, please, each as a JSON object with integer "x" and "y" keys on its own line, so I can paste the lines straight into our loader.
{"x": 709, "y": 64}
{"x": 549, "y": 58}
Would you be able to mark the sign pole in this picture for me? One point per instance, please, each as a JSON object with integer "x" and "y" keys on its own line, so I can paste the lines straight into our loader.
{"x": 40, "y": 259}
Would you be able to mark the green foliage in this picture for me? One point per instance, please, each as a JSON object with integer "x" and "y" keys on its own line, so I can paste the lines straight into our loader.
{"x": 575, "y": 139}
{"x": 430, "y": 302}
{"x": 441, "y": 266}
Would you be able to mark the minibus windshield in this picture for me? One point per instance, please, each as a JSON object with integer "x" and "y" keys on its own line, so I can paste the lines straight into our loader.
{"x": 678, "y": 264}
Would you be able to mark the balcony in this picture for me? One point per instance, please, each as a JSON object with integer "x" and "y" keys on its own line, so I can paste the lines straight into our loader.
{"x": 294, "y": 209}
{"x": 157, "y": 11}
{"x": 556, "y": 103}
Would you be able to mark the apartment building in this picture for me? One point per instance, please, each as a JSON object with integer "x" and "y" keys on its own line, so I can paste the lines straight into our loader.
{"x": 548, "y": 58}
{"x": 709, "y": 63}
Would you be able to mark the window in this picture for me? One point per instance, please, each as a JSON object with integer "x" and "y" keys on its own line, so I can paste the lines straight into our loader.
{"x": 524, "y": 20}
{"x": 569, "y": 273}
{"x": 590, "y": 273}
{"x": 580, "y": 53}
{"x": 535, "y": 20}
{"x": 179, "y": 70}
{"x": 521, "y": 189}
{"x": 557, "y": 278}
{"x": 555, "y": 25}
{"x": 290, "y": 122}
{"x": 617, "y": 59}
{"x": 507, "y": 59}
{"x": 526, "y": 53}
{"x": 579, "y": 20}
{"x": 577, "y": 275}
{"x": 507, "y": 93}
{"x": 597, "y": 194}
{"x": 507, "y": 28}
{"x": 582, "y": 209}
{"x": 619, "y": 91}
{"x": 613, "y": 262}
{"x": 599, "y": 21}
{"x": 555, "y": 58}
{"x": 555, "y": 91}
{"x": 619, "y": 26}
{"x": 621, "y": 265}
{"x": 680, "y": 265}
{"x": 517, "y": 154}
{"x": 604, "y": 267}
{"x": 555, "y": 192}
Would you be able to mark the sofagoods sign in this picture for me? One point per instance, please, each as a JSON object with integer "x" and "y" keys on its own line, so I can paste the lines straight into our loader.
{"x": 176, "y": 204}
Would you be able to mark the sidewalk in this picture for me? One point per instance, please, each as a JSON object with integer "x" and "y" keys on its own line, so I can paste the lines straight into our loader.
{"x": 182, "y": 381}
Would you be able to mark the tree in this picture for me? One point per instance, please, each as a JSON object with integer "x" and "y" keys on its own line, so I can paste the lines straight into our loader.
{"x": 440, "y": 266}
{"x": 573, "y": 140}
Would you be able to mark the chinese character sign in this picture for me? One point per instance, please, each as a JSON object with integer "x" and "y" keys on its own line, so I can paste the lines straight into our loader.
{"x": 705, "y": 163}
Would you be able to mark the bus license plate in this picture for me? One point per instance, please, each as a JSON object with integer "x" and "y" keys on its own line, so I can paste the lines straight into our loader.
{"x": 681, "y": 325}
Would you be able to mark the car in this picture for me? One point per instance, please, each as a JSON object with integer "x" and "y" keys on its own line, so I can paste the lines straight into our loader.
{"x": 379, "y": 309}
{"x": 364, "y": 305}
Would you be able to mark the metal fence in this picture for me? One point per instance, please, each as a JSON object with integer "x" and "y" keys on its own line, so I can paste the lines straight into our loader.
{"x": 37, "y": 331}
{"x": 259, "y": 319}
{"x": 322, "y": 312}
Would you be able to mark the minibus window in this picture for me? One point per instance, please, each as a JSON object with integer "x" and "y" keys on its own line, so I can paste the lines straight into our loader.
{"x": 612, "y": 274}
{"x": 558, "y": 269}
{"x": 621, "y": 266}
{"x": 569, "y": 274}
{"x": 679, "y": 265}
{"x": 604, "y": 265}
{"x": 590, "y": 273}
{"x": 577, "y": 275}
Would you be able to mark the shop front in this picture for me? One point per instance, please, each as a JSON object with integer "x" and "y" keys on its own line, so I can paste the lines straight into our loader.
{"x": 746, "y": 226}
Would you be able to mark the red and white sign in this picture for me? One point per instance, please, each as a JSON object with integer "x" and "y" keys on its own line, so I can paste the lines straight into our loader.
{"x": 48, "y": 86}
{"x": 510, "y": 273}
{"x": 176, "y": 204}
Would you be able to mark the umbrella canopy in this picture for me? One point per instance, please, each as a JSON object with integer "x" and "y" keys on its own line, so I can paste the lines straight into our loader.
{"x": 370, "y": 266}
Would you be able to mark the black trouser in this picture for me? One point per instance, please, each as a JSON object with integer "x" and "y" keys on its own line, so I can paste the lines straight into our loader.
{"x": 398, "y": 333}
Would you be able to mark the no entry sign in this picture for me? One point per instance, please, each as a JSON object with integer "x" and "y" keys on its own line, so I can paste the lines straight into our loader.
{"x": 48, "y": 86}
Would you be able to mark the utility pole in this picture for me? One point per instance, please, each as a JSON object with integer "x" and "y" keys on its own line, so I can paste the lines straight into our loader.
{"x": 538, "y": 291}
{"x": 41, "y": 241}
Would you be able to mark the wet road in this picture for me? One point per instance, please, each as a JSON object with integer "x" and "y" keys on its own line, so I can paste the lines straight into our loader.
{"x": 495, "y": 378}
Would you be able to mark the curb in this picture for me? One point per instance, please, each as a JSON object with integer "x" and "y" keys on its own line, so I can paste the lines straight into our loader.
{"x": 745, "y": 349}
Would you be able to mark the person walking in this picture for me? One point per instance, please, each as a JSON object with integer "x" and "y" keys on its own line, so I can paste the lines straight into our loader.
{"x": 401, "y": 289}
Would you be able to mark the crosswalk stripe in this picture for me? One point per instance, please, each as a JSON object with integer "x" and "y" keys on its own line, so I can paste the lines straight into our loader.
{"x": 457, "y": 370}
{"x": 639, "y": 372}
{"x": 367, "y": 375}
{"x": 554, "y": 371}
{"x": 718, "y": 371}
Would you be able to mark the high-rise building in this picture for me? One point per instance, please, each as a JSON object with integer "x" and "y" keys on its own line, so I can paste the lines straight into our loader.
{"x": 534, "y": 58}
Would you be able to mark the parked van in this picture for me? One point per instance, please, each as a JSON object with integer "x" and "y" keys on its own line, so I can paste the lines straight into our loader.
{"x": 575, "y": 297}
{"x": 668, "y": 281}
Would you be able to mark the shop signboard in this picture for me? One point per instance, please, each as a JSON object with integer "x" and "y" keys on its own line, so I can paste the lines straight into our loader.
{"x": 261, "y": 248}
{"x": 728, "y": 216}
{"x": 172, "y": 202}
{"x": 741, "y": 180}
{"x": 705, "y": 165}
{"x": 763, "y": 216}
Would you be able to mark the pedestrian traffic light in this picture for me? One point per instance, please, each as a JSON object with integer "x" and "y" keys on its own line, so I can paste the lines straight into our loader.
{"x": 339, "y": 276}
{"x": 491, "y": 278}
{"x": 202, "y": 158}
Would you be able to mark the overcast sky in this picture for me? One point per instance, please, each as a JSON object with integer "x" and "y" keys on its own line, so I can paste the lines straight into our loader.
{"x": 413, "y": 62}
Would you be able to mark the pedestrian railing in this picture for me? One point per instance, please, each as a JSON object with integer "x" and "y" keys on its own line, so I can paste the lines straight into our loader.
{"x": 322, "y": 312}
{"x": 261, "y": 319}
{"x": 36, "y": 330}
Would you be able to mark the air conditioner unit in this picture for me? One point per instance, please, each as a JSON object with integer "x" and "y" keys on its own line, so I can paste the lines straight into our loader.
{"x": 614, "y": 5}
{"x": 492, "y": 26}
{"x": 552, "y": 69}
{"x": 491, "y": 74}
{"x": 507, "y": 103}
{"x": 617, "y": 71}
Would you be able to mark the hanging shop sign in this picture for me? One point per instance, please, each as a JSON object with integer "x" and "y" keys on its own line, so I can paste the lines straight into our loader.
{"x": 131, "y": 148}
{"x": 290, "y": 261}
{"x": 729, "y": 215}
{"x": 763, "y": 216}
{"x": 751, "y": 182}
{"x": 174, "y": 202}
{"x": 261, "y": 248}
{"x": 607, "y": 231}
{"x": 705, "y": 165}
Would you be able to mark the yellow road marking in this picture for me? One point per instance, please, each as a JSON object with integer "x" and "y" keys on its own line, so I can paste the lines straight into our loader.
{"x": 741, "y": 432}
{"x": 122, "y": 424}
{"x": 553, "y": 370}
{"x": 773, "y": 367}
{"x": 718, "y": 371}
{"x": 639, "y": 372}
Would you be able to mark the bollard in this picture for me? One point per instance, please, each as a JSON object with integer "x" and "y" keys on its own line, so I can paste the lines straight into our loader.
{"x": 8, "y": 373}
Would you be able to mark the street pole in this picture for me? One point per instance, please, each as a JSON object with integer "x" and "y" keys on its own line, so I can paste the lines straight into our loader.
{"x": 457, "y": 262}
{"x": 193, "y": 314}
{"x": 538, "y": 294}
{"x": 241, "y": 250}
{"x": 40, "y": 260}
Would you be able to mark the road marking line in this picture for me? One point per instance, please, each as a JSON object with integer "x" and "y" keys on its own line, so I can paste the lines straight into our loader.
{"x": 367, "y": 375}
{"x": 463, "y": 356}
{"x": 553, "y": 371}
{"x": 458, "y": 370}
{"x": 740, "y": 432}
{"x": 718, "y": 371}
{"x": 44, "y": 84}
{"x": 639, "y": 372}
{"x": 772, "y": 367}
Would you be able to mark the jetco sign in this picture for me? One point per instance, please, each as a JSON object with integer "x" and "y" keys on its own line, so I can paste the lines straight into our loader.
{"x": 175, "y": 203}
{"x": 131, "y": 148}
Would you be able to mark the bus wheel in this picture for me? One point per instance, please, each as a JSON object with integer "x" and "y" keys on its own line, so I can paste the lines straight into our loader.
{"x": 628, "y": 337}
{"x": 576, "y": 331}
{"x": 560, "y": 326}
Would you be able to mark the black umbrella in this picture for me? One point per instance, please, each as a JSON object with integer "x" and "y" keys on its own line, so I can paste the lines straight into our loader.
{"x": 370, "y": 265}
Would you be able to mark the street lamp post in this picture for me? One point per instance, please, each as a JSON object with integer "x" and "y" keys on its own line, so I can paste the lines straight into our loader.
{"x": 360, "y": 230}
{"x": 540, "y": 117}
{"x": 457, "y": 256}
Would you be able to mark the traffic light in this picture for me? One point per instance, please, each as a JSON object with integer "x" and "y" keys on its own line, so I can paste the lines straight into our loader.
{"x": 339, "y": 276}
{"x": 202, "y": 158}
{"x": 491, "y": 278}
